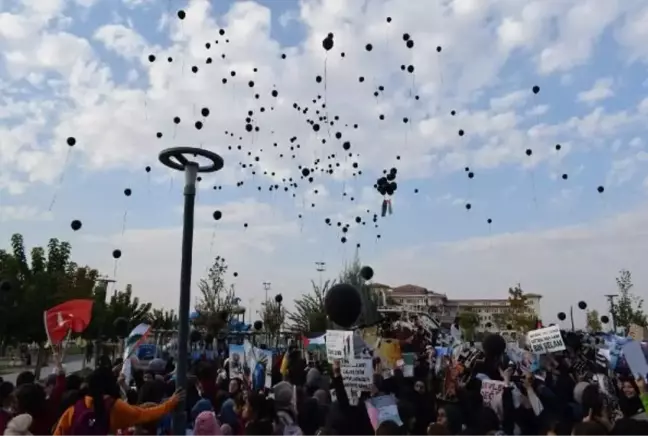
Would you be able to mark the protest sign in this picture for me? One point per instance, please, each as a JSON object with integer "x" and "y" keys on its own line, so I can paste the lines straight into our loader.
{"x": 381, "y": 409}
{"x": 339, "y": 345}
{"x": 545, "y": 340}
{"x": 490, "y": 389}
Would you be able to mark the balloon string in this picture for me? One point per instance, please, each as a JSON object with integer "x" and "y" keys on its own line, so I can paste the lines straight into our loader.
{"x": 115, "y": 269}
{"x": 124, "y": 222}
{"x": 213, "y": 238}
{"x": 533, "y": 187}
{"x": 61, "y": 179}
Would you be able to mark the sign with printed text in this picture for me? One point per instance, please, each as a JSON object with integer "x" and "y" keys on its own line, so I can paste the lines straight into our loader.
{"x": 339, "y": 345}
{"x": 490, "y": 389}
{"x": 545, "y": 340}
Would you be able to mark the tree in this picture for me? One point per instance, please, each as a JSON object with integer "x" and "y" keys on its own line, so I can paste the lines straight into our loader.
{"x": 48, "y": 278}
{"x": 122, "y": 304}
{"x": 163, "y": 319}
{"x": 593, "y": 321}
{"x": 217, "y": 302}
{"x": 629, "y": 307}
{"x": 309, "y": 314}
{"x": 273, "y": 315}
{"x": 370, "y": 299}
{"x": 468, "y": 322}
{"x": 517, "y": 314}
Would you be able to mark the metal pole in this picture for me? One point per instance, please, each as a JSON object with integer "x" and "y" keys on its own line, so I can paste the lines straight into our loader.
{"x": 191, "y": 173}
{"x": 571, "y": 315}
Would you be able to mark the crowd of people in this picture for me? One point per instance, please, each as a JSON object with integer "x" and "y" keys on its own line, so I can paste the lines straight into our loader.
{"x": 572, "y": 393}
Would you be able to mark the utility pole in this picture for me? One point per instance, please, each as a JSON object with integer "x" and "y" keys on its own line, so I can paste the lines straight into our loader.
{"x": 320, "y": 267}
{"x": 611, "y": 298}
{"x": 266, "y": 288}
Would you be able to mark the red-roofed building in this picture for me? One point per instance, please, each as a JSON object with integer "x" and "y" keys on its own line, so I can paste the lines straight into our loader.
{"x": 417, "y": 298}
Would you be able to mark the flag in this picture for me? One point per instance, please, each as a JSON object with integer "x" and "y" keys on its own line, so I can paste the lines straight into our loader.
{"x": 319, "y": 340}
{"x": 73, "y": 315}
{"x": 135, "y": 338}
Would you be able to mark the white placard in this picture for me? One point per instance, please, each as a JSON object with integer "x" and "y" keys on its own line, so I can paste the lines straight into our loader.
{"x": 545, "y": 340}
{"x": 490, "y": 389}
{"x": 339, "y": 345}
{"x": 357, "y": 376}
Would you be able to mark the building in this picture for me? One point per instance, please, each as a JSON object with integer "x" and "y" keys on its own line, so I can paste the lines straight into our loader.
{"x": 418, "y": 298}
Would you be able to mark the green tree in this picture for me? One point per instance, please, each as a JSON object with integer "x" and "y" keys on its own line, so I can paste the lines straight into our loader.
{"x": 217, "y": 302}
{"x": 370, "y": 299}
{"x": 46, "y": 279}
{"x": 468, "y": 322}
{"x": 628, "y": 308}
{"x": 309, "y": 314}
{"x": 517, "y": 315}
{"x": 273, "y": 315}
{"x": 163, "y": 319}
{"x": 593, "y": 321}
{"x": 122, "y": 304}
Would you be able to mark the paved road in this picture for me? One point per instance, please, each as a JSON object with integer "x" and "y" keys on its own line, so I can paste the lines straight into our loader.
{"x": 71, "y": 364}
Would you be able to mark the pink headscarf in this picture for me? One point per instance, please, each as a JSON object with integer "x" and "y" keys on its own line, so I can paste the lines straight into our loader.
{"x": 226, "y": 429}
{"x": 206, "y": 424}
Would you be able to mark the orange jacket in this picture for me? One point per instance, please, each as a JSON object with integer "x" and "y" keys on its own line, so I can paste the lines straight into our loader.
{"x": 122, "y": 415}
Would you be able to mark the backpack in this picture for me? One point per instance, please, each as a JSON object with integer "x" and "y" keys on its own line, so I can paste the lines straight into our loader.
{"x": 84, "y": 420}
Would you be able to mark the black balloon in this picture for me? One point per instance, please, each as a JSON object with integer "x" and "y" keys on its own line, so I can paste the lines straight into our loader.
{"x": 562, "y": 316}
{"x": 605, "y": 319}
{"x": 278, "y": 298}
{"x": 116, "y": 254}
{"x": 366, "y": 272}
{"x": 582, "y": 305}
{"x": 217, "y": 215}
{"x": 121, "y": 327}
{"x": 127, "y": 192}
{"x": 343, "y": 304}
{"x": 76, "y": 225}
{"x": 536, "y": 89}
{"x": 258, "y": 325}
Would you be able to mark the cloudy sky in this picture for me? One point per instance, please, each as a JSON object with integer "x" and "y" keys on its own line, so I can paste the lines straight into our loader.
{"x": 81, "y": 69}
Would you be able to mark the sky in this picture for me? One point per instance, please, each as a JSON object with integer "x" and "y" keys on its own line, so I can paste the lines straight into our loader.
{"x": 81, "y": 69}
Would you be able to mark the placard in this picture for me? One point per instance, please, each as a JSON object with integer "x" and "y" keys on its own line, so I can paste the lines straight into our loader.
{"x": 545, "y": 340}
{"x": 357, "y": 376}
{"x": 490, "y": 389}
{"x": 381, "y": 409}
{"x": 339, "y": 345}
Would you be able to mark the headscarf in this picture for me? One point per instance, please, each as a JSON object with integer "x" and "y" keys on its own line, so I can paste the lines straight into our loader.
{"x": 206, "y": 424}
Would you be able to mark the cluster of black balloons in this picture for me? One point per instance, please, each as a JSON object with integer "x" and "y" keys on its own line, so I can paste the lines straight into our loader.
{"x": 386, "y": 185}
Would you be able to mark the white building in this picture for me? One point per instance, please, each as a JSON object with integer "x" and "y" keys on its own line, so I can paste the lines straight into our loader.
{"x": 418, "y": 298}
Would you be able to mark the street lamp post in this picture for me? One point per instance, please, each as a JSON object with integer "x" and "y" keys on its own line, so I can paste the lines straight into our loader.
{"x": 176, "y": 158}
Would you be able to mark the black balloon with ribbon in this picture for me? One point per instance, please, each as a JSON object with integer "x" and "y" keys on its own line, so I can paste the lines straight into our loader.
{"x": 343, "y": 304}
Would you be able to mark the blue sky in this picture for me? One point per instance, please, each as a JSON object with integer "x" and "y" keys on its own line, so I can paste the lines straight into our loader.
{"x": 79, "y": 68}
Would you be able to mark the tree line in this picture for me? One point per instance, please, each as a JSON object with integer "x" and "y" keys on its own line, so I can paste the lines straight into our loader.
{"x": 31, "y": 284}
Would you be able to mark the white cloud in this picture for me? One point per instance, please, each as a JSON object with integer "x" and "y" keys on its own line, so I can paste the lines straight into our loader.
{"x": 23, "y": 213}
{"x": 59, "y": 83}
{"x": 601, "y": 90}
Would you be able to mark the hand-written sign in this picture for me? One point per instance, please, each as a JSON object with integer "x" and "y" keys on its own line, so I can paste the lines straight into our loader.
{"x": 545, "y": 340}
{"x": 357, "y": 376}
{"x": 357, "y": 373}
{"x": 490, "y": 389}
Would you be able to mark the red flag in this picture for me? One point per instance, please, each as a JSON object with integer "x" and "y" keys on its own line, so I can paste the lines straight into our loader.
{"x": 72, "y": 315}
